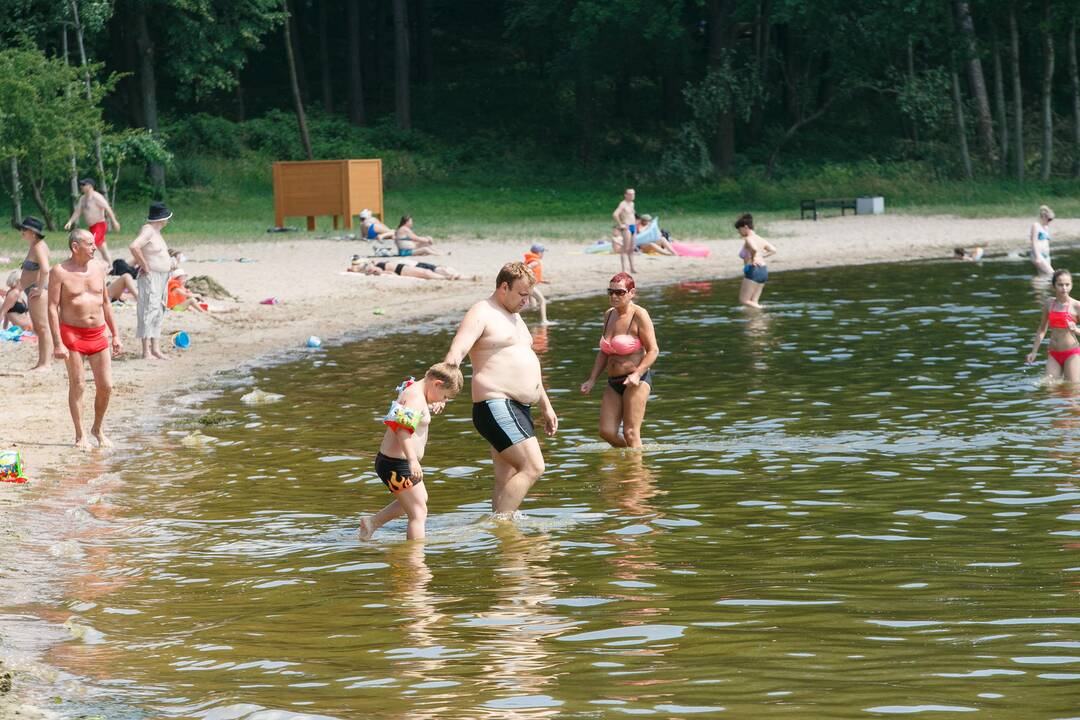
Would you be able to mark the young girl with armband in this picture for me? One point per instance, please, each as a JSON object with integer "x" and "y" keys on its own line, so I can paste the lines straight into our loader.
{"x": 398, "y": 462}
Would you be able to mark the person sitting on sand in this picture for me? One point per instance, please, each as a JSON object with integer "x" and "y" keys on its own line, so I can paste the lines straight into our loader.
{"x": 372, "y": 229}
{"x": 409, "y": 243}
{"x": 534, "y": 260}
{"x": 644, "y": 241}
{"x": 422, "y": 270}
{"x": 178, "y": 296}
{"x": 15, "y": 300}
{"x": 968, "y": 254}
{"x": 398, "y": 461}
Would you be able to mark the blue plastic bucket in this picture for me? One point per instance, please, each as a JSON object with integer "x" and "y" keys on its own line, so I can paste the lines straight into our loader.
{"x": 181, "y": 340}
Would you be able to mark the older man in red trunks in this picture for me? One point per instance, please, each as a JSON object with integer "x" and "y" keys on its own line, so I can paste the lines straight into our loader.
{"x": 79, "y": 313}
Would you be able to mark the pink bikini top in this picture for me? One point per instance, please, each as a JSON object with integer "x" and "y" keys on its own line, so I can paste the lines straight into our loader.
{"x": 1060, "y": 318}
{"x": 620, "y": 344}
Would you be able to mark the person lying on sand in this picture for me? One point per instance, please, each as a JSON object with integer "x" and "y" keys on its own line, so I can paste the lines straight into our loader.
{"x": 422, "y": 270}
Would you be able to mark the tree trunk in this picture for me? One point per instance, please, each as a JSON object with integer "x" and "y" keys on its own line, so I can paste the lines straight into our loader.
{"x": 16, "y": 190}
{"x": 36, "y": 186}
{"x": 425, "y": 58}
{"x": 1074, "y": 79}
{"x": 402, "y": 111}
{"x": 1047, "y": 97}
{"x": 1018, "y": 96}
{"x": 73, "y": 160}
{"x": 976, "y": 80}
{"x": 148, "y": 84}
{"x": 356, "y": 74}
{"x": 324, "y": 60}
{"x": 762, "y": 36}
{"x": 583, "y": 101}
{"x": 238, "y": 97}
{"x": 720, "y": 39}
{"x": 298, "y": 99}
{"x": 79, "y": 36}
{"x": 999, "y": 108}
{"x": 790, "y": 133}
{"x": 297, "y": 50}
{"x": 911, "y": 78}
{"x": 961, "y": 128}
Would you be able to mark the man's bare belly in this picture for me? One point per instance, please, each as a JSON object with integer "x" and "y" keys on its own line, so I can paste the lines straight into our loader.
{"x": 511, "y": 372}
{"x": 83, "y": 311}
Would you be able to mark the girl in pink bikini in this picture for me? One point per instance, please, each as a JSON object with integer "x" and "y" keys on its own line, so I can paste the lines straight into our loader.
{"x": 1060, "y": 316}
{"x": 627, "y": 351}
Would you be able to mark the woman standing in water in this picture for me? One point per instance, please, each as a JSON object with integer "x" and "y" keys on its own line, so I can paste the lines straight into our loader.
{"x": 1040, "y": 241}
{"x": 754, "y": 251}
{"x": 627, "y": 351}
{"x": 1060, "y": 315}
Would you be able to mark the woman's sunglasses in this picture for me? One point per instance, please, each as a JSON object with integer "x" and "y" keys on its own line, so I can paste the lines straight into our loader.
{"x": 617, "y": 291}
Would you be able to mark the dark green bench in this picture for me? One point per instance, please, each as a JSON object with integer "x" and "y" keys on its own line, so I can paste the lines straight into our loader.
{"x": 812, "y": 206}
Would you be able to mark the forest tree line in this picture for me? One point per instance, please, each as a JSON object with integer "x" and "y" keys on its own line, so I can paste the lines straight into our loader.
{"x": 698, "y": 88}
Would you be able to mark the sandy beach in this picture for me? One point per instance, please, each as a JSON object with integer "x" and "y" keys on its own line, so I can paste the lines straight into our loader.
{"x": 316, "y": 297}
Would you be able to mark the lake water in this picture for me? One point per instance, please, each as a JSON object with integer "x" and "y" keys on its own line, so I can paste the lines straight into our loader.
{"x": 859, "y": 503}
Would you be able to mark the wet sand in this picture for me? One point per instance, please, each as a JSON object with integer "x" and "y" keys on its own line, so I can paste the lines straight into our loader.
{"x": 316, "y": 297}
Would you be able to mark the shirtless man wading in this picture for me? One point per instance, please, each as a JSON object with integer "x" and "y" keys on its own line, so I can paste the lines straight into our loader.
{"x": 506, "y": 383}
{"x": 79, "y": 312}
{"x": 94, "y": 208}
{"x": 624, "y": 225}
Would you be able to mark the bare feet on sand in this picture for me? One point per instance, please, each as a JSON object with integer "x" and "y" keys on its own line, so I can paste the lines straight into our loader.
{"x": 103, "y": 441}
{"x": 83, "y": 444}
{"x": 367, "y": 528}
{"x": 39, "y": 369}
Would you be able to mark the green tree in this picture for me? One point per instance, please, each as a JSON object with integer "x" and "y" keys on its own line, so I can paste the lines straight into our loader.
{"x": 42, "y": 118}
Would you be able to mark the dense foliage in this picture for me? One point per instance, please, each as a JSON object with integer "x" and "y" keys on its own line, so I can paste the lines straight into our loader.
{"x": 687, "y": 91}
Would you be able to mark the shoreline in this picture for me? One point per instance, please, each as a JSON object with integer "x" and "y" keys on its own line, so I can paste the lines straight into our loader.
{"x": 316, "y": 299}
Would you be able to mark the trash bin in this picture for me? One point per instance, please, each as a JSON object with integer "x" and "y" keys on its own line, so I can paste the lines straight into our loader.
{"x": 870, "y": 205}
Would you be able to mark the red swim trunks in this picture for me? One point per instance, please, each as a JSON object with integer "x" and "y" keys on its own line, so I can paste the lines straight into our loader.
{"x": 88, "y": 341}
{"x": 99, "y": 229}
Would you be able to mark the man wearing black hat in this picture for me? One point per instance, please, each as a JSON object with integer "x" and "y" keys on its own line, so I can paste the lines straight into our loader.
{"x": 34, "y": 280}
{"x": 94, "y": 208}
{"x": 152, "y": 255}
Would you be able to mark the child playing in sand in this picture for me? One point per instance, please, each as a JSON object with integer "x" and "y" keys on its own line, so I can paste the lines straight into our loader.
{"x": 534, "y": 260}
{"x": 398, "y": 462}
{"x": 178, "y": 297}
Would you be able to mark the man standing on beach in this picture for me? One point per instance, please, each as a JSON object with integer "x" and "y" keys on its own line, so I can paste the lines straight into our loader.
{"x": 625, "y": 227}
{"x": 506, "y": 383}
{"x": 79, "y": 312}
{"x": 94, "y": 208}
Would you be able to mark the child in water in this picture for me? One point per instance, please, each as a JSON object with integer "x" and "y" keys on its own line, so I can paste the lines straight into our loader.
{"x": 534, "y": 260}
{"x": 1060, "y": 316}
{"x": 398, "y": 462}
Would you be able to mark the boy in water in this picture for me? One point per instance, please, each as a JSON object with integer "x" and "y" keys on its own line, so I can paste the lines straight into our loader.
{"x": 534, "y": 260}
{"x": 398, "y": 462}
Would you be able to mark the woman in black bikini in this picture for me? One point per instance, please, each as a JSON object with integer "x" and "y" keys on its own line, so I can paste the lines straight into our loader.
{"x": 15, "y": 301}
{"x": 627, "y": 351}
{"x": 422, "y": 270}
{"x": 35, "y": 281}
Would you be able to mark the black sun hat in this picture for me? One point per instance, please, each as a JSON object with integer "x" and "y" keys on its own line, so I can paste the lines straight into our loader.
{"x": 32, "y": 224}
{"x": 158, "y": 212}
